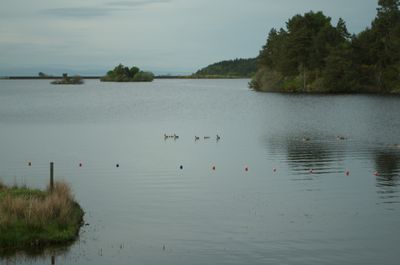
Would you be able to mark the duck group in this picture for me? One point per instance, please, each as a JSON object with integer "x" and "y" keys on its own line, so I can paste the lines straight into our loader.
{"x": 196, "y": 138}
{"x": 173, "y": 136}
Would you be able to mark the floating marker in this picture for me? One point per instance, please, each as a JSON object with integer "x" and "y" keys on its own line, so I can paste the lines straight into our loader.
{"x": 117, "y": 165}
{"x": 181, "y": 167}
{"x": 347, "y": 173}
{"x": 80, "y": 164}
{"x": 246, "y": 168}
{"x": 376, "y": 173}
{"x": 29, "y": 163}
{"x": 213, "y": 167}
{"x": 274, "y": 169}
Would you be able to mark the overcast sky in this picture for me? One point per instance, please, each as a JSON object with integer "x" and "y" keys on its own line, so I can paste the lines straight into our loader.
{"x": 163, "y": 36}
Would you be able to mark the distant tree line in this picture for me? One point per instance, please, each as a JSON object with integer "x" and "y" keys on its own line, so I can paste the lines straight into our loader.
{"x": 229, "y": 68}
{"x": 122, "y": 73}
{"x": 312, "y": 55}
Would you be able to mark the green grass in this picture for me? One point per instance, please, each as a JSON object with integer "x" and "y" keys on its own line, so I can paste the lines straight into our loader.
{"x": 34, "y": 218}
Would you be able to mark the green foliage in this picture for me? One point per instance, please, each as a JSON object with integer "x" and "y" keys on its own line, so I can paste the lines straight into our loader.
{"x": 122, "y": 73}
{"x": 230, "y": 68}
{"x": 266, "y": 80}
{"x": 338, "y": 74}
{"x": 311, "y": 55}
{"x": 143, "y": 77}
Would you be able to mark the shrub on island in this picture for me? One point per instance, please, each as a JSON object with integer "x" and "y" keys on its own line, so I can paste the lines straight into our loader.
{"x": 66, "y": 80}
{"x": 122, "y": 73}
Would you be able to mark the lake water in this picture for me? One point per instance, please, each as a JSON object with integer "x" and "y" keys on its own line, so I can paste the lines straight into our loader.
{"x": 294, "y": 205}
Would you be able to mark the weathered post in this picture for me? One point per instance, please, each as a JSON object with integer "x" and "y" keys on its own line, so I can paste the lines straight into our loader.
{"x": 51, "y": 176}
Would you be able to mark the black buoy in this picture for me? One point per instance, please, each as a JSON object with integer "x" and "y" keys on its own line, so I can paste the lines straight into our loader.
{"x": 181, "y": 167}
{"x": 117, "y": 165}
{"x": 29, "y": 163}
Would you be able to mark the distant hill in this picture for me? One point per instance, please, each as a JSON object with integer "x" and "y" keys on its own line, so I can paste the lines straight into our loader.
{"x": 229, "y": 69}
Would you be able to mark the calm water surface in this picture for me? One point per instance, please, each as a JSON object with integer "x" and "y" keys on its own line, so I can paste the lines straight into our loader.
{"x": 148, "y": 211}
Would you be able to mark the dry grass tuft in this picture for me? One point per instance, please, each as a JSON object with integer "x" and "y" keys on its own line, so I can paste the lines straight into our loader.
{"x": 37, "y": 211}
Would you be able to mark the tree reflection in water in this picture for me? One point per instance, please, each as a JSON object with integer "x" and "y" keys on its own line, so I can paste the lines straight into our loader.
{"x": 387, "y": 179}
{"x": 305, "y": 154}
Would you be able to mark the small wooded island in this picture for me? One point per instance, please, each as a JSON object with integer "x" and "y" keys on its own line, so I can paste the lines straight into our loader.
{"x": 312, "y": 55}
{"x": 33, "y": 219}
{"x": 66, "y": 80}
{"x": 122, "y": 73}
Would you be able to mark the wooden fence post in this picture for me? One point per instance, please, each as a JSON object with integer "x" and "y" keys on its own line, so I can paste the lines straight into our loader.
{"x": 51, "y": 176}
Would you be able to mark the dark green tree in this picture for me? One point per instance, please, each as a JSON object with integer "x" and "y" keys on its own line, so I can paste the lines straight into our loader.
{"x": 342, "y": 29}
{"x": 338, "y": 74}
{"x": 386, "y": 6}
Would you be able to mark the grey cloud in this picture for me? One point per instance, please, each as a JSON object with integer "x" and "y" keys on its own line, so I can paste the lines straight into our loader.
{"x": 105, "y": 10}
{"x": 136, "y": 3}
{"x": 78, "y": 12}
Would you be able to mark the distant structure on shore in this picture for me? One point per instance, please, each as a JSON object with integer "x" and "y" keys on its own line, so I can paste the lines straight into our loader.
{"x": 66, "y": 80}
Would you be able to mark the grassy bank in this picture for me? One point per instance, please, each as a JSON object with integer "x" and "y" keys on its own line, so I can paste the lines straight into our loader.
{"x": 34, "y": 218}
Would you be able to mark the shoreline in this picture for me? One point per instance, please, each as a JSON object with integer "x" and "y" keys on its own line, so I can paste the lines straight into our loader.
{"x": 99, "y": 77}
